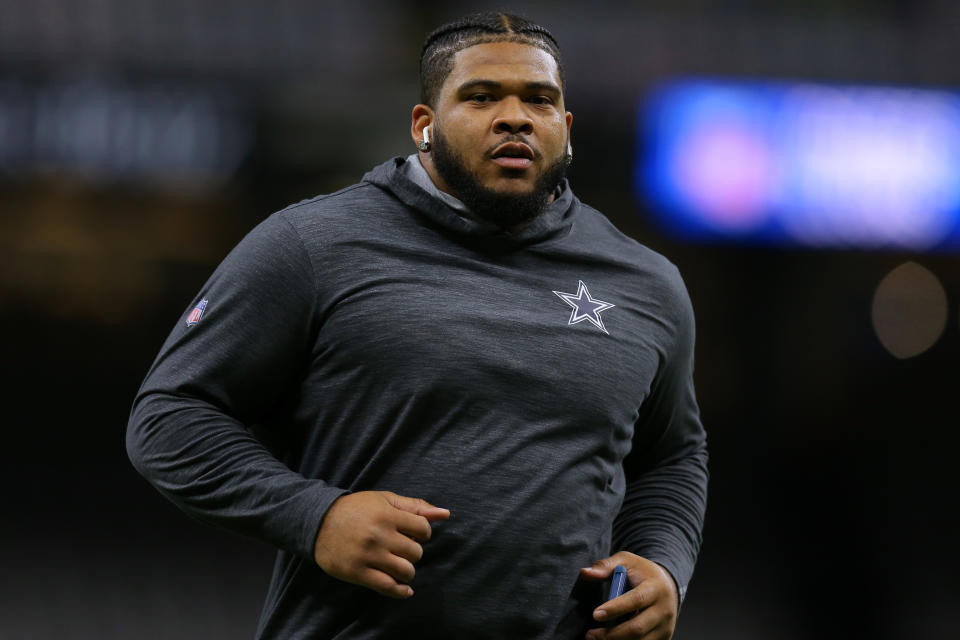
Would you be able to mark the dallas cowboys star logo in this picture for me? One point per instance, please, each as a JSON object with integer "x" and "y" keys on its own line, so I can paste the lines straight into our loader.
{"x": 585, "y": 307}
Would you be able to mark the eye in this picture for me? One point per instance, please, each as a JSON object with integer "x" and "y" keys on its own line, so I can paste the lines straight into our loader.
{"x": 544, "y": 101}
{"x": 481, "y": 97}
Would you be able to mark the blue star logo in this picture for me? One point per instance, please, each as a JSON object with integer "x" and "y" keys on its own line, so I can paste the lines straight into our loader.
{"x": 585, "y": 307}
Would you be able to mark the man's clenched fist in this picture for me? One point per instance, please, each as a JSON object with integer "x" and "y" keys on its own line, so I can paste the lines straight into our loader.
{"x": 372, "y": 538}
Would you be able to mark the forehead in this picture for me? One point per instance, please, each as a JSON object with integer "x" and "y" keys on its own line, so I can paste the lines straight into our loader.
{"x": 503, "y": 61}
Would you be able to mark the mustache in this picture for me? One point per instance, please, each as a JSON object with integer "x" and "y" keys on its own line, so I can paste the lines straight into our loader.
{"x": 513, "y": 137}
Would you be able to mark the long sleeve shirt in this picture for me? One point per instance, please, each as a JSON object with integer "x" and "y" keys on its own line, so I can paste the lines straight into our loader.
{"x": 537, "y": 383}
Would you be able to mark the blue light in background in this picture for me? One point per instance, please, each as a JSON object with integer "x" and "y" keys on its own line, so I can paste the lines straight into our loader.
{"x": 802, "y": 164}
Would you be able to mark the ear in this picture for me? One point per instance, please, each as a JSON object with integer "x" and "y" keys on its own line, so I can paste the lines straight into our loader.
{"x": 569, "y": 125}
{"x": 422, "y": 117}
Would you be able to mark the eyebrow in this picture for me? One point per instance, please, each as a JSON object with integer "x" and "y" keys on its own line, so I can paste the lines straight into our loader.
{"x": 493, "y": 84}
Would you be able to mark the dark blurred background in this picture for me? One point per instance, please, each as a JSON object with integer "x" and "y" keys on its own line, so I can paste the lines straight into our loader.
{"x": 141, "y": 139}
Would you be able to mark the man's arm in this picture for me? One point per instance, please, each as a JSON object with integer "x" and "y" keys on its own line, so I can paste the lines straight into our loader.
{"x": 230, "y": 368}
{"x": 666, "y": 472}
{"x": 658, "y": 532}
{"x": 187, "y": 431}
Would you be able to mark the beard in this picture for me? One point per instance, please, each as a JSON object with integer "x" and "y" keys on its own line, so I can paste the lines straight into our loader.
{"x": 502, "y": 209}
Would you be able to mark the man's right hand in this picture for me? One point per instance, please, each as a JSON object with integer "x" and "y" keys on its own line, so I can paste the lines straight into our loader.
{"x": 371, "y": 538}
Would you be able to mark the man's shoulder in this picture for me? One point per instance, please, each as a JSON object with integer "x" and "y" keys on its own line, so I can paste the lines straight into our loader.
{"x": 648, "y": 274}
{"x": 363, "y": 205}
{"x": 597, "y": 231}
{"x": 349, "y": 200}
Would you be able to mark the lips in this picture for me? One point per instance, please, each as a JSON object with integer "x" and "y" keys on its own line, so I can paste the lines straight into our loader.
{"x": 513, "y": 155}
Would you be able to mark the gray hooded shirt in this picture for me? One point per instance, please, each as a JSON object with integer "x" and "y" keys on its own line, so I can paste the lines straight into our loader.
{"x": 537, "y": 383}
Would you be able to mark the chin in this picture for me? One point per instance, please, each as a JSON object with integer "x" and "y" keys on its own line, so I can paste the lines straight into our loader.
{"x": 512, "y": 185}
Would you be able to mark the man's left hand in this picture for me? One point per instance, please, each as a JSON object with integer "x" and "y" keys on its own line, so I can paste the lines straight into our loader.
{"x": 651, "y": 603}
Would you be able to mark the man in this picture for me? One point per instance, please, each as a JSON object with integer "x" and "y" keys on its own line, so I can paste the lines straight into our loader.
{"x": 455, "y": 330}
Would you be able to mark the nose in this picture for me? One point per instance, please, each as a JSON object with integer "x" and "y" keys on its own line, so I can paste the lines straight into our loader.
{"x": 512, "y": 117}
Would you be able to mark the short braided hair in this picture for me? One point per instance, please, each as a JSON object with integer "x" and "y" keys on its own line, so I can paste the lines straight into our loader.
{"x": 436, "y": 57}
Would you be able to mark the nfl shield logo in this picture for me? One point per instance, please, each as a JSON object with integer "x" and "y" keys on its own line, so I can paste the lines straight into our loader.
{"x": 196, "y": 314}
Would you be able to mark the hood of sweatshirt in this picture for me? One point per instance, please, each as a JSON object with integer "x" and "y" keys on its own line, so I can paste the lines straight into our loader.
{"x": 554, "y": 222}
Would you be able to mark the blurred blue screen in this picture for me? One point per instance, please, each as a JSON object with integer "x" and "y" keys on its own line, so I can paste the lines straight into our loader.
{"x": 802, "y": 164}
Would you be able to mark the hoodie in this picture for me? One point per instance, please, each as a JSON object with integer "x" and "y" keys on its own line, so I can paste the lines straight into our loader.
{"x": 537, "y": 383}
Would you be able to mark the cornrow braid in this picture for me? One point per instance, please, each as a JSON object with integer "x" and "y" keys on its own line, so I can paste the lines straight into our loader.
{"x": 436, "y": 57}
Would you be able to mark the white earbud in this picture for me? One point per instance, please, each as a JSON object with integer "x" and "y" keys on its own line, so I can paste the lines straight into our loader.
{"x": 424, "y": 145}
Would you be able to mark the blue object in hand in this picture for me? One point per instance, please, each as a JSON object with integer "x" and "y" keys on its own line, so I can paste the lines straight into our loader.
{"x": 618, "y": 583}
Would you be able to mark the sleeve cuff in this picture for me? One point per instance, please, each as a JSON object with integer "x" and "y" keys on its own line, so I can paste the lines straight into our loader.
{"x": 312, "y": 517}
{"x": 672, "y": 572}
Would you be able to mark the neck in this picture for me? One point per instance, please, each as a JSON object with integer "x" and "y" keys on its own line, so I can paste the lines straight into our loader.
{"x": 427, "y": 161}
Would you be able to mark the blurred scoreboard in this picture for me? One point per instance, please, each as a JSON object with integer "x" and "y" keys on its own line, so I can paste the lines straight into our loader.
{"x": 106, "y": 129}
{"x": 798, "y": 164}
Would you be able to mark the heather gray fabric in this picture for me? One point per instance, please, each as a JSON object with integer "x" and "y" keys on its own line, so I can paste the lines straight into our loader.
{"x": 414, "y": 170}
{"x": 376, "y": 339}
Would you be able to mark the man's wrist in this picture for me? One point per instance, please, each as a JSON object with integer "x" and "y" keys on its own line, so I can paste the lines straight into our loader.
{"x": 680, "y": 592}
